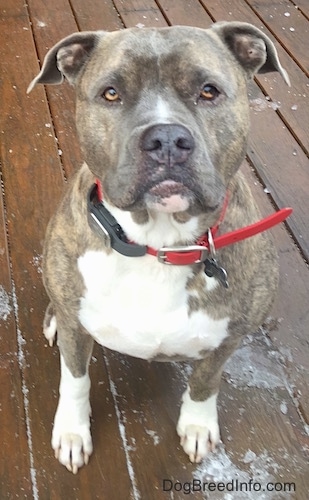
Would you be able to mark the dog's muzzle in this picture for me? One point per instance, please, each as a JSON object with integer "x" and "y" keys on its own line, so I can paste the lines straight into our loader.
{"x": 166, "y": 150}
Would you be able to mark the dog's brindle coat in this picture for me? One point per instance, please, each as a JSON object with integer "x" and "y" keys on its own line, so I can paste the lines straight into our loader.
{"x": 162, "y": 117}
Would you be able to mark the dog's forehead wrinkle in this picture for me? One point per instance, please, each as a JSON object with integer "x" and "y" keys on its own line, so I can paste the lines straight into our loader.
{"x": 156, "y": 43}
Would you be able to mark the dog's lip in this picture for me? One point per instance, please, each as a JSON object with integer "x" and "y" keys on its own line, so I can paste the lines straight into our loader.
{"x": 167, "y": 188}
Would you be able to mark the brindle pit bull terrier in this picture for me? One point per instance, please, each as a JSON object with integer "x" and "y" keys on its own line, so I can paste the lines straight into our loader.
{"x": 163, "y": 118}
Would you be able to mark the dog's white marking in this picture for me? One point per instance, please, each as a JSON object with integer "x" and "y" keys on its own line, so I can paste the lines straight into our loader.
{"x": 162, "y": 111}
{"x": 50, "y": 331}
{"x": 198, "y": 426}
{"x": 139, "y": 306}
{"x": 160, "y": 230}
{"x": 71, "y": 438}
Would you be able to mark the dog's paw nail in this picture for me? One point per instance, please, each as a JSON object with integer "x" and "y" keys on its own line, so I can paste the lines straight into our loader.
{"x": 51, "y": 342}
{"x": 192, "y": 457}
{"x": 75, "y": 469}
{"x": 69, "y": 467}
{"x": 86, "y": 459}
{"x": 57, "y": 453}
{"x": 213, "y": 446}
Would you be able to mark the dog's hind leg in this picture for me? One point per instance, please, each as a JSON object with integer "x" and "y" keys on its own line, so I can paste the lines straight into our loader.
{"x": 71, "y": 437}
{"x": 198, "y": 425}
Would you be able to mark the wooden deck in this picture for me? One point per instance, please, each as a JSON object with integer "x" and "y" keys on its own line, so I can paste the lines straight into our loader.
{"x": 264, "y": 401}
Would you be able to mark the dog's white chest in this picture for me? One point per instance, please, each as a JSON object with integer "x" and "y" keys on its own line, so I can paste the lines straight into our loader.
{"x": 139, "y": 307}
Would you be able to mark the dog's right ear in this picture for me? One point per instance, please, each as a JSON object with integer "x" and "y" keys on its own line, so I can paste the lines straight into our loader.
{"x": 67, "y": 58}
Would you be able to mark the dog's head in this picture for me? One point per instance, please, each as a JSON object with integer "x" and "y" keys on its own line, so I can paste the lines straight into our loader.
{"x": 162, "y": 114}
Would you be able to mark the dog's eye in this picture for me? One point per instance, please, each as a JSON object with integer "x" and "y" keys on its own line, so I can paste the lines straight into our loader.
{"x": 111, "y": 95}
{"x": 209, "y": 93}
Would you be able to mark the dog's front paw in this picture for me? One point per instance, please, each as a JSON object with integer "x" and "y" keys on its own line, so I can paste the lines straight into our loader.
{"x": 71, "y": 438}
{"x": 72, "y": 450}
{"x": 72, "y": 444}
{"x": 198, "y": 426}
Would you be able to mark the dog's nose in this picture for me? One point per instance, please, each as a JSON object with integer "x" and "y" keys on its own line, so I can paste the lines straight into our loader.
{"x": 167, "y": 144}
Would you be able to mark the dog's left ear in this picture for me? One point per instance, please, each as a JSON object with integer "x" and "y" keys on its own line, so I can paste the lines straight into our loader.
{"x": 251, "y": 47}
{"x": 67, "y": 58}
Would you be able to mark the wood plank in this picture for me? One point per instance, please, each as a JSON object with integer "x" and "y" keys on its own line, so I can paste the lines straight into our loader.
{"x": 291, "y": 30}
{"x": 182, "y": 12}
{"x": 51, "y": 22}
{"x": 15, "y": 476}
{"x": 267, "y": 157}
{"x": 94, "y": 18}
{"x": 144, "y": 13}
{"x": 26, "y": 228}
{"x": 291, "y": 311}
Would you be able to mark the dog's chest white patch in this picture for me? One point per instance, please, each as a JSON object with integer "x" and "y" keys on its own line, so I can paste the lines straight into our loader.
{"x": 138, "y": 306}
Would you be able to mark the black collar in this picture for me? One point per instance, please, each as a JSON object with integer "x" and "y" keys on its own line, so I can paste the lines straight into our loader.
{"x": 101, "y": 219}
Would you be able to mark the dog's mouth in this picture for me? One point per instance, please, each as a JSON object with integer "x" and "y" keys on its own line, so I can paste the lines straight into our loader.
{"x": 172, "y": 193}
{"x": 168, "y": 196}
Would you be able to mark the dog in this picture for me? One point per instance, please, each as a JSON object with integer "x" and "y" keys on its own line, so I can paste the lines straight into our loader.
{"x": 144, "y": 254}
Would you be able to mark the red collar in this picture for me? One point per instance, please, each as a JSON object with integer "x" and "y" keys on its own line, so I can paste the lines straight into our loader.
{"x": 199, "y": 252}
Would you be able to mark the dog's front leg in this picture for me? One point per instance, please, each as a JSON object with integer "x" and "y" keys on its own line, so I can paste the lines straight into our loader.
{"x": 71, "y": 437}
{"x": 198, "y": 425}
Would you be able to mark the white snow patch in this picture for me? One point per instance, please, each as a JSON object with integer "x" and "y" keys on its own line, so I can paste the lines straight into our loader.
{"x": 260, "y": 104}
{"x": 274, "y": 105}
{"x": 258, "y": 469}
{"x": 37, "y": 262}
{"x": 41, "y": 24}
{"x": 5, "y": 308}
{"x": 255, "y": 364}
{"x": 283, "y": 407}
{"x": 154, "y": 435}
{"x": 249, "y": 457}
{"x": 21, "y": 360}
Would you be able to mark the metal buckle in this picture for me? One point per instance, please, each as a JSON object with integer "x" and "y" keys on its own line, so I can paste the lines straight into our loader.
{"x": 162, "y": 253}
{"x": 211, "y": 243}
